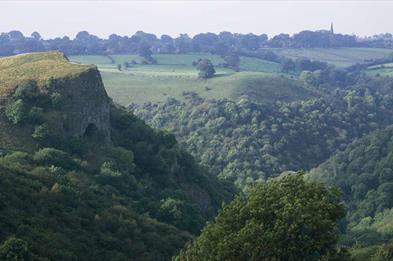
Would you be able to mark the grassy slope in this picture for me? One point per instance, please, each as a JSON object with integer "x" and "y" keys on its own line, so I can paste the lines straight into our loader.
{"x": 340, "y": 57}
{"x": 173, "y": 75}
{"x": 126, "y": 88}
{"x": 37, "y": 66}
{"x": 382, "y": 70}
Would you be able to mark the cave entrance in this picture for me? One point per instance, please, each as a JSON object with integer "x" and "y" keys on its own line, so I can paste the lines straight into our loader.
{"x": 91, "y": 131}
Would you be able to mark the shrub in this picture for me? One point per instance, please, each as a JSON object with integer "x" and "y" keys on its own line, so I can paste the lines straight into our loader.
{"x": 15, "y": 249}
{"x": 124, "y": 159}
{"x": 41, "y": 132}
{"x": 51, "y": 156}
{"x": 36, "y": 115}
{"x": 27, "y": 90}
{"x": 206, "y": 69}
{"x": 109, "y": 170}
{"x": 16, "y": 112}
{"x": 57, "y": 100}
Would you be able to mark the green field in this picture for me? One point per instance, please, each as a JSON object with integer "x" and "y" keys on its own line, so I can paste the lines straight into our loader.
{"x": 169, "y": 62}
{"x": 381, "y": 70}
{"x": 173, "y": 75}
{"x": 340, "y": 57}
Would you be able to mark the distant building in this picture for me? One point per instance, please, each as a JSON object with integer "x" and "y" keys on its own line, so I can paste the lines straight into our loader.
{"x": 331, "y": 29}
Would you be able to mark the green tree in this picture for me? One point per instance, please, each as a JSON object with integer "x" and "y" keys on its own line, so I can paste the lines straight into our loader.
{"x": 36, "y": 115}
{"x": 41, "y": 132}
{"x": 232, "y": 61}
{"x": 15, "y": 249}
{"x": 206, "y": 68}
{"x": 284, "y": 219}
{"x": 27, "y": 90}
{"x": 16, "y": 112}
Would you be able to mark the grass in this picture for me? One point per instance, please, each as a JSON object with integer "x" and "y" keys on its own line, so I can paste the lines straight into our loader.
{"x": 175, "y": 61}
{"x": 340, "y": 57}
{"x": 35, "y": 66}
{"x": 380, "y": 70}
{"x": 126, "y": 88}
{"x": 173, "y": 75}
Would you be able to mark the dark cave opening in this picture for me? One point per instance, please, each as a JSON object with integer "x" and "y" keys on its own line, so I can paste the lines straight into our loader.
{"x": 91, "y": 131}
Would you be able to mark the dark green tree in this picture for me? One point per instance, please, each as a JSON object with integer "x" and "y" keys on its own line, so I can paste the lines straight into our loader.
{"x": 15, "y": 249}
{"x": 232, "y": 61}
{"x": 145, "y": 52}
{"x": 27, "y": 90}
{"x": 206, "y": 68}
{"x": 16, "y": 112}
{"x": 284, "y": 219}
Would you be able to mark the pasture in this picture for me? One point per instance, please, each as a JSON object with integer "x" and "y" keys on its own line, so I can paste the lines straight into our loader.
{"x": 340, "y": 57}
{"x": 381, "y": 70}
{"x": 173, "y": 75}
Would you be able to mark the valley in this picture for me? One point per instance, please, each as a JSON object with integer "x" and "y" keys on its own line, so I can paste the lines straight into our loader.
{"x": 206, "y": 147}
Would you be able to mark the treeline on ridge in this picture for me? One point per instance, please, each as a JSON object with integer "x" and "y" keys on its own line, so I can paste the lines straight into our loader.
{"x": 15, "y": 42}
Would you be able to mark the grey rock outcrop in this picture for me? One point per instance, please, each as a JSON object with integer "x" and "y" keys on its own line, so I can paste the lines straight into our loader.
{"x": 87, "y": 105}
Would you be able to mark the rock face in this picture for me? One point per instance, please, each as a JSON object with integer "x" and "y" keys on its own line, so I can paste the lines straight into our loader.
{"x": 87, "y": 105}
{"x": 84, "y": 109}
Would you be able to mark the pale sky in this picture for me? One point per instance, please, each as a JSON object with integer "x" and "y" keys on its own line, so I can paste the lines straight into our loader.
{"x": 102, "y": 18}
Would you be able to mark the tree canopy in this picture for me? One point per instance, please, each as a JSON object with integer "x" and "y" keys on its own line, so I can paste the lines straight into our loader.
{"x": 206, "y": 69}
{"x": 284, "y": 219}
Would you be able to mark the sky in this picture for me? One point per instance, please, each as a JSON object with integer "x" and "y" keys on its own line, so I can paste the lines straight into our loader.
{"x": 102, "y": 18}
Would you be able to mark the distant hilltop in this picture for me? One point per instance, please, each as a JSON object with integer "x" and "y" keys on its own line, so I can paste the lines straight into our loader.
{"x": 14, "y": 42}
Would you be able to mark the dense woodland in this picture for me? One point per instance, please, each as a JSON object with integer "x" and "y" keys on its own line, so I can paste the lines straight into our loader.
{"x": 363, "y": 172}
{"x": 15, "y": 42}
{"x": 144, "y": 196}
{"x": 255, "y": 227}
{"x": 247, "y": 140}
{"x": 139, "y": 197}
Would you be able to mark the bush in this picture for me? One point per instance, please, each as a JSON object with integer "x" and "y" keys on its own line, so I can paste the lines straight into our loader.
{"x": 41, "y": 132}
{"x": 206, "y": 69}
{"x": 57, "y": 100}
{"x": 27, "y": 90}
{"x": 51, "y": 156}
{"x": 15, "y": 249}
{"x": 36, "y": 115}
{"x": 384, "y": 253}
{"x": 124, "y": 159}
{"x": 16, "y": 112}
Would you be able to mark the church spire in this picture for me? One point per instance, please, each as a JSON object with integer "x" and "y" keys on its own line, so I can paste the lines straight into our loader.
{"x": 331, "y": 28}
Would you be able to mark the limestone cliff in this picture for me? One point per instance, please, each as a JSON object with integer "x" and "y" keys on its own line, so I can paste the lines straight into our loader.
{"x": 85, "y": 104}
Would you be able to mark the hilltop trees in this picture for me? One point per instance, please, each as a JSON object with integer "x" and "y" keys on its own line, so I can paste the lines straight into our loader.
{"x": 285, "y": 219}
{"x": 206, "y": 69}
{"x": 232, "y": 61}
{"x": 14, "y": 42}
